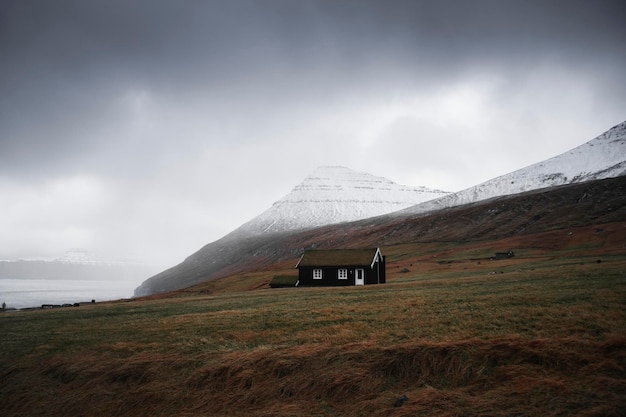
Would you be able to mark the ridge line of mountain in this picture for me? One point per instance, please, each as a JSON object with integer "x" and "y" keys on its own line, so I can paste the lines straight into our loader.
{"x": 556, "y": 208}
{"x": 602, "y": 157}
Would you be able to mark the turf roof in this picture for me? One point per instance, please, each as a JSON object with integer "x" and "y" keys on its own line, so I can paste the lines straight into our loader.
{"x": 338, "y": 257}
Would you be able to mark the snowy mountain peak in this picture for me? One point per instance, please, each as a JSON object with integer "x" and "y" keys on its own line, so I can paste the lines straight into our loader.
{"x": 334, "y": 194}
{"x": 602, "y": 157}
{"x": 79, "y": 256}
{"x": 339, "y": 183}
{"x": 616, "y": 133}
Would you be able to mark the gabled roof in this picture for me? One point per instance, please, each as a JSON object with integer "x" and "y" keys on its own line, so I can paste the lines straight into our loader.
{"x": 340, "y": 257}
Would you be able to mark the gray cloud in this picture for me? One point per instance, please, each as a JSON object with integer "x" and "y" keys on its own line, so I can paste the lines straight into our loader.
{"x": 155, "y": 101}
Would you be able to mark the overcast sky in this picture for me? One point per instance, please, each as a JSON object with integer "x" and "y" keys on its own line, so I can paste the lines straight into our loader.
{"x": 146, "y": 129}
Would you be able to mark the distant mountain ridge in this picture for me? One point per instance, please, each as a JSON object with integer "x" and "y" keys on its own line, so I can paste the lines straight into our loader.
{"x": 75, "y": 264}
{"x": 85, "y": 257}
{"x": 600, "y": 158}
{"x": 335, "y": 194}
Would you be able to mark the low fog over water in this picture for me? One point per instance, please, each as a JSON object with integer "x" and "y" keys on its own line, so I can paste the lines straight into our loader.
{"x": 36, "y": 292}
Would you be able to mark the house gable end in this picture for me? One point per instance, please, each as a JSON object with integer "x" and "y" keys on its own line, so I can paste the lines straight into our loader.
{"x": 378, "y": 257}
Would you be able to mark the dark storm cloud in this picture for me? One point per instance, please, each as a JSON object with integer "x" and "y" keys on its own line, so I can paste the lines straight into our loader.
{"x": 66, "y": 63}
{"x": 180, "y": 42}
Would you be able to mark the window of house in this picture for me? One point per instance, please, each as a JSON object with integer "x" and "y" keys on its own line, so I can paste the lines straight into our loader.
{"x": 342, "y": 274}
{"x": 317, "y": 274}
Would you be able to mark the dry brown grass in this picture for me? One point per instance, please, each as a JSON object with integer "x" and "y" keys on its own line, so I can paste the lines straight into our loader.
{"x": 545, "y": 335}
{"x": 498, "y": 377}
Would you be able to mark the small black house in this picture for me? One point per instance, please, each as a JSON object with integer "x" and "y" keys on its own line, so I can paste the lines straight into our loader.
{"x": 341, "y": 267}
{"x": 504, "y": 255}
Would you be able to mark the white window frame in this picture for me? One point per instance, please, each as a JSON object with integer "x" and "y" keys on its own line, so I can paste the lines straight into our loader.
{"x": 342, "y": 273}
{"x": 317, "y": 273}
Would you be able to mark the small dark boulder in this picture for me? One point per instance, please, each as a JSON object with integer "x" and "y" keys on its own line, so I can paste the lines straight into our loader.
{"x": 400, "y": 401}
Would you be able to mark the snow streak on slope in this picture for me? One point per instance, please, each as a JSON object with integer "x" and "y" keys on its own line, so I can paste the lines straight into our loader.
{"x": 602, "y": 157}
{"x": 336, "y": 194}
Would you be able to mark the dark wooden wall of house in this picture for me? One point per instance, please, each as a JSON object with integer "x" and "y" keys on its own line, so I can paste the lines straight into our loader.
{"x": 382, "y": 270}
{"x": 330, "y": 275}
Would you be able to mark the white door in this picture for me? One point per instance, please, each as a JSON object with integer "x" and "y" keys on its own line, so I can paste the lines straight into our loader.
{"x": 359, "y": 277}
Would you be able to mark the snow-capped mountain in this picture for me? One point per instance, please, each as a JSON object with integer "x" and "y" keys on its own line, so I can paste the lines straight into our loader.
{"x": 602, "y": 157}
{"x": 335, "y": 194}
{"x": 82, "y": 257}
{"x": 79, "y": 256}
{"x": 329, "y": 195}
{"x": 75, "y": 264}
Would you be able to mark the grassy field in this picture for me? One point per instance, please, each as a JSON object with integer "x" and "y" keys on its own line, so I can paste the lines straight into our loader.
{"x": 543, "y": 333}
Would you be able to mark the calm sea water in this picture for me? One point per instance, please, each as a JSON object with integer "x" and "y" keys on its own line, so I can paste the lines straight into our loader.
{"x": 22, "y": 293}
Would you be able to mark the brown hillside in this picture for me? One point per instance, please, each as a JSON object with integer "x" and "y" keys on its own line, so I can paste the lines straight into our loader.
{"x": 452, "y": 333}
{"x": 544, "y": 336}
{"x": 532, "y": 213}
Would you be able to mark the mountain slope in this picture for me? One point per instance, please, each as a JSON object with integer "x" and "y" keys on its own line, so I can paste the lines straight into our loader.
{"x": 335, "y": 194}
{"x": 578, "y": 205}
{"x": 330, "y": 195}
{"x": 602, "y": 157}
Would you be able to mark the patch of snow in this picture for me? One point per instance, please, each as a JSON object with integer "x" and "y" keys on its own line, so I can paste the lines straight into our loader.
{"x": 80, "y": 256}
{"x": 602, "y": 157}
{"x": 335, "y": 194}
